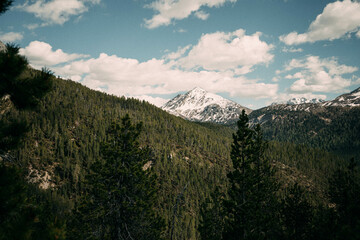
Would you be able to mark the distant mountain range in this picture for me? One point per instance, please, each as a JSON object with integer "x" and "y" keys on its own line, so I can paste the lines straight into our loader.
{"x": 202, "y": 106}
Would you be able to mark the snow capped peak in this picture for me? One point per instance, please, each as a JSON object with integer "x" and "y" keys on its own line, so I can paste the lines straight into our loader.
{"x": 300, "y": 100}
{"x": 197, "y": 90}
{"x": 200, "y": 105}
{"x": 351, "y": 99}
{"x": 356, "y": 92}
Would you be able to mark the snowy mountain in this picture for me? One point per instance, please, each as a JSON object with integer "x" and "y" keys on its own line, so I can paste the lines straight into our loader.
{"x": 302, "y": 100}
{"x": 284, "y": 112}
{"x": 202, "y": 106}
{"x": 351, "y": 99}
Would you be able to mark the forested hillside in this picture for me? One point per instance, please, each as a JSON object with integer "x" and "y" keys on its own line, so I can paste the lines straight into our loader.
{"x": 332, "y": 128}
{"x": 190, "y": 159}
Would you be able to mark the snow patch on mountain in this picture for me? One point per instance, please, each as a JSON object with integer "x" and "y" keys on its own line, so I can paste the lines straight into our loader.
{"x": 351, "y": 99}
{"x": 202, "y": 106}
{"x": 300, "y": 100}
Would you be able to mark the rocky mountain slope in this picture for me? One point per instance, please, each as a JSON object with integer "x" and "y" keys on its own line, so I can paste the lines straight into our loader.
{"x": 202, "y": 106}
{"x": 2, "y": 46}
{"x": 351, "y": 99}
{"x": 295, "y": 101}
{"x": 332, "y": 125}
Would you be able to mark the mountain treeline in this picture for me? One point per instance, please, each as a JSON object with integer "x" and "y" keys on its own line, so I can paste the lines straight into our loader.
{"x": 335, "y": 129}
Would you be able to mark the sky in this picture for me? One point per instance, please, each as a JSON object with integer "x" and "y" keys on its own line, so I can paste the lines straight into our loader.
{"x": 253, "y": 52}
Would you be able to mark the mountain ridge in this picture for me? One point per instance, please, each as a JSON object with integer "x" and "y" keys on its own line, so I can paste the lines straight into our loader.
{"x": 202, "y": 106}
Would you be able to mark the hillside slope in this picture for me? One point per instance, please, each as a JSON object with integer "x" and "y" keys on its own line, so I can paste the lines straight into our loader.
{"x": 190, "y": 159}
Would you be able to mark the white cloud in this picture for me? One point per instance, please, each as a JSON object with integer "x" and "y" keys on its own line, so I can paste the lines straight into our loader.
{"x": 337, "y": 20}
{"x": 157, "y": 101}
{"x": 228, "y": 51}
{"x": 10, "y": 36}
{"x": 41, "y": 53}
{"x": 202, "y": 15}
{"x": 32, "y": 26}
{"x": 129, "y": 77}
{"x": 291, "y": 50}
{"x": 124, "y": 76}
{"x": 56, "y": 11}
{"x": 179, "y": 53}
{"x": 275, "y": 79}
{"x": 167, "y": 10}
{"x": 313, "y": 74}
{"x": 181, "y": 30}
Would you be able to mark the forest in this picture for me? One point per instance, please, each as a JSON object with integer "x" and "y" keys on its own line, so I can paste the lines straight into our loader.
{"x": 81, "y": 164}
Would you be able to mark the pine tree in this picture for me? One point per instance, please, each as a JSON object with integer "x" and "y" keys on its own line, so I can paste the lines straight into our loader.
{"x": 121, "y": 193}
{"x": 212, "y": 217}
{"x": 344, "y": 192}
{"x": 4, "y": 5}
{"x": 251, "y": 206}
{"x": 21, "y": 89}
{"x": 297, "y": 214}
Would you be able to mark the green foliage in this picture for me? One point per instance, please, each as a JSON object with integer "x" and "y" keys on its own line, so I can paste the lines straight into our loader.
{"x": 333, "y": 129}
{"x": 296, "y": 214}
{"x": 252, "y": 204}
{"x": 70, "y": 124}
{"x": 21, "y": 89}
{"x": 190, "y": 159}
{"x": 121, "y": 193}
{"x": 26, "y": 212}
{"x": 344, "y": 192}
{"x": 212, "y": 216}
{"x": 4, "y": 5}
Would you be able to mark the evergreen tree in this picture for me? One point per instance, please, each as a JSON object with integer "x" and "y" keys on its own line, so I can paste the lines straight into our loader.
{"x": 121, "y": 193}
{"x": 251, "y": 207}
{"x": 20, "y": 88}
{"x": 212, "y": 217}
{"x": 27, "y": 213}
{"x": 344, "y": 192}
{"x": 297, "y": 214}
{"x": 4, "y": 5}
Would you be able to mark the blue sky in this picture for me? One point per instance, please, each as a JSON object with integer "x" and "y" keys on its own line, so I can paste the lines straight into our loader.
{"x": 254, "y": 52}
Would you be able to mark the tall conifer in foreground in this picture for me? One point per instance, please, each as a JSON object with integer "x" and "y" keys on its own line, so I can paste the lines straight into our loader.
{"x": 121, "y": 193}
{"x": 251, "y": 206}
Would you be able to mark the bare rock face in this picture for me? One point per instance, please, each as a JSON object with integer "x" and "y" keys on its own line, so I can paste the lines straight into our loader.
{"x": 351, "y": 99}
{"x": 201, "y": 106}
{"x": 2, "y": 47}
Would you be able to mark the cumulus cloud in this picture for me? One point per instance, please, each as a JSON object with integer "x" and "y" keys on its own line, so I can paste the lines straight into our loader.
{"x": 56, "y": 11}
{"x": 130, "y": 77}
{"x": 11, "y": 36}
{"x": 124, "y": 76}
{"x": 228, "y": 51}
{"x": 313, "y": 74}
{"x": 167, "y": 10}
{"x": 291, "y": 50}
{"x": 337, "y": 20}
{"x": 202, "y": 15}
{"x": 179, "y": 53}
{"x": 41, "y": 53}
{"x": 157, "y": 101}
